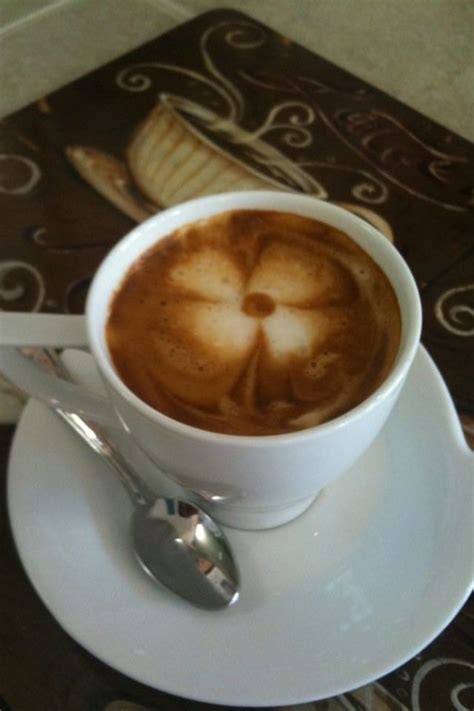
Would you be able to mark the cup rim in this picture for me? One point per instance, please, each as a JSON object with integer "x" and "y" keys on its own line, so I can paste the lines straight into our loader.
{"x": 284, "y": 202}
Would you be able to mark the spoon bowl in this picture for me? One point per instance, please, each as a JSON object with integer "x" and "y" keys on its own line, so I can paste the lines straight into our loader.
{"x": 187, "y": 548}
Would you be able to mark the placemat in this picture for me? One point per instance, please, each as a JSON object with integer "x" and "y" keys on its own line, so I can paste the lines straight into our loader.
{"x": 224, "y": 103}
{"x": 76, "y": 169}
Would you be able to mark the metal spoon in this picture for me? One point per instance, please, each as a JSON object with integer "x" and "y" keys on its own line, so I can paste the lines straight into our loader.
{"x": 175, "y": 542}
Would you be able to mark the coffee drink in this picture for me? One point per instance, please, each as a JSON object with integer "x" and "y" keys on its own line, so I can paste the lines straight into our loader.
{"x": 254, "y": 322}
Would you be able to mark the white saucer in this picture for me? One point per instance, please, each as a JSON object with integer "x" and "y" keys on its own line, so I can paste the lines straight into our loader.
{"x": 362, "y": 581}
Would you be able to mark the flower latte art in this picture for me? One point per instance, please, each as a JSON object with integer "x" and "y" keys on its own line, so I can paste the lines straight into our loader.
{"x": 254, "y": 322}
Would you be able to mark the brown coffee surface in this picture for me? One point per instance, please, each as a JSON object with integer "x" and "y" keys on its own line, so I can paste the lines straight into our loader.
{"x": 254, "y": 323}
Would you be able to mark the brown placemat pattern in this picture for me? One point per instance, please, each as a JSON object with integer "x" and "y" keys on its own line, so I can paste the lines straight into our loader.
{"x": 74, "y": 176}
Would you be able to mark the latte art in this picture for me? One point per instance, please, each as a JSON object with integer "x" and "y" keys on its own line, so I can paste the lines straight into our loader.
{"x": 254, "y": 322}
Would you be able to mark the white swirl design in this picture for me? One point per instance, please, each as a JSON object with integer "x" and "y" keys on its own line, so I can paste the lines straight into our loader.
{"x": 455, "y": 694}
{"x": 133, "y": 78}
{"x": 10, "y": 294}
{"x": 458, "y": 318}
{"x": 370, "y": 190}
{"x": 244, "y": 36}
{"x": 235, "y": 38}
{"x": 437, "y": 168}
{"x": 423, "y": 672}
{"x": 373, "y": 192}
{"x": 33, "y": 174}
{"x": 295, "y": 133}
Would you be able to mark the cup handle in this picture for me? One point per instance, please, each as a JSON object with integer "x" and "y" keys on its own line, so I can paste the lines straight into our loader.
{"x": 45, "y": 330}
{"x": 19, "y": 367}
{"x": 22, "y": 371}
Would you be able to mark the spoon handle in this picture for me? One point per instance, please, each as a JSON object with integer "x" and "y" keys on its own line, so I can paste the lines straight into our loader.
{"x": 103, "y": 446}
{"x": 94, "y": 435}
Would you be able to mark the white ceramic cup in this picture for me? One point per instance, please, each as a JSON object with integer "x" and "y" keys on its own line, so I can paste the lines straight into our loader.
{"x": 250, "y": 482}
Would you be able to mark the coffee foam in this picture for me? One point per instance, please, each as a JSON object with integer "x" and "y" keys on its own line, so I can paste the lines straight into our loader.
{"x": 254, "y": 322}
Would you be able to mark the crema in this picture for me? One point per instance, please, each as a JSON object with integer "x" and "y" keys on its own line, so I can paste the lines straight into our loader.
{"x": 254, "y": 323}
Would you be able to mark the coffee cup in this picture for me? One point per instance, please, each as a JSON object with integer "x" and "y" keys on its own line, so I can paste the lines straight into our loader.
{"x": 245, "y": 481}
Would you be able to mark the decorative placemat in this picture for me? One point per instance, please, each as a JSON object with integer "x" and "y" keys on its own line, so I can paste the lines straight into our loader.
{"x": 224, "y": 103}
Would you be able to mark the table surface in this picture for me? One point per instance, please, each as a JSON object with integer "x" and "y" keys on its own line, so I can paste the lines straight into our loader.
{"x": 41, "y": 667}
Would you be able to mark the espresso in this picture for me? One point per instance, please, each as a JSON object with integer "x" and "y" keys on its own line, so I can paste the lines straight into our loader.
{"x": 254, "y": 323}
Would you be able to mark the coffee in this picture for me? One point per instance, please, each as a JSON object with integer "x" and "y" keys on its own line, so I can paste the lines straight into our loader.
{"x": 254, "y": 323}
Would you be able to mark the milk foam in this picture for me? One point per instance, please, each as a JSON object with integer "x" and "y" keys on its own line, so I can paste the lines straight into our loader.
{"x": 254, "y": 322}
